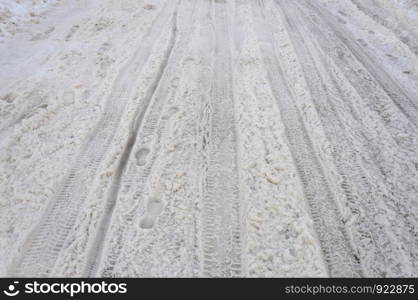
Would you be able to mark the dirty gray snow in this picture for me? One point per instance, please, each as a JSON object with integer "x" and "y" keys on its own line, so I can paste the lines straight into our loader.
{"x": 209, "y": 138}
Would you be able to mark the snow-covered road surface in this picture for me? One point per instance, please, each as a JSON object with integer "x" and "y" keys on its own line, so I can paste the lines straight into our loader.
{"x": 209, "y": 138}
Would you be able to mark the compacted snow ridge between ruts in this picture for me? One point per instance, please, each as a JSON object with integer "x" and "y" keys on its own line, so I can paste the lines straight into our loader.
{"x": 209, "y": 138}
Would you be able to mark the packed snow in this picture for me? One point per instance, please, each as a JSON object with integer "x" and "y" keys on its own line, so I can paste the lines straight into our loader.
{"x": 209, "y": 138}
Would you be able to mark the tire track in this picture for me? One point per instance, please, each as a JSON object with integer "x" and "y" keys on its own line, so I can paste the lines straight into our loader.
{"x": 221, "y": 236}
{"x": 96, "y": 250}
{"x": 380, "y": 102}
{"x": 334, "y": 133}
{"x": 240, "y": 138}
{"x": 397, "y": 126}
{"x": 383, "y": 17}
{"x": 282, "y": 71}
{"x": 396, "y": 186}
{"x": 139, "y": 169}
{"x": 48, "y": 237}
{"x": 400, "y": 98}
{"x": 367, "y": 197}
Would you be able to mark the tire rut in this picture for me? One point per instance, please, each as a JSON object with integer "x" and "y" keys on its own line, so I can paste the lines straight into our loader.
{"x": 138, "y": 172}
{"x": 362, "y": 189}
{"x": 378, "y": 14}
{"x": 47, "y": 239}
{"x": 96, "y": 250}
{"x": 221, "y": 237}
{"x": 336, "y": 246}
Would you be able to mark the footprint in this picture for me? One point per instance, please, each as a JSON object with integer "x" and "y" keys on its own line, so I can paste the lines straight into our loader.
{"x": 147, "y": 222}
{"x": 141, "y": 156}
{"x": 154, "y": 208}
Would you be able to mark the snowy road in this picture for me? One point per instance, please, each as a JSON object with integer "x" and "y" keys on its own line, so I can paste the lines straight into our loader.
{"x": 209, "y": 138}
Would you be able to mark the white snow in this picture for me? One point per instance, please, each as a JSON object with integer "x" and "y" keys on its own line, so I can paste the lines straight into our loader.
{"x": 208, "y": 138}
{"x": 14, "y": 14}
